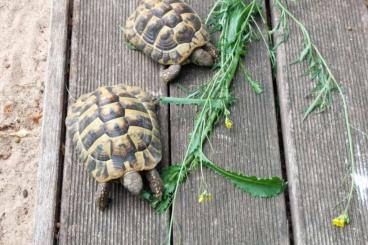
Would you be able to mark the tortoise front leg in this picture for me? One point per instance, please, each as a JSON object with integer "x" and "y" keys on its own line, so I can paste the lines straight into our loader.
{"x": 155, "y": 182}
{"x": 211, "y": 49}
{"x": 170, "y": 73}
{"x": 102, "y": 195}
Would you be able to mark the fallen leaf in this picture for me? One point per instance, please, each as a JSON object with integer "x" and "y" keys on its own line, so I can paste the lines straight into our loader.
{"x": 8, "y": 109}
{"x": 36, "y": 117}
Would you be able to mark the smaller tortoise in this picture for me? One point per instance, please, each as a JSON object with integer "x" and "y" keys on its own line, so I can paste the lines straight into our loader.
{"x": 117, "y": 134}
{"x": 171, "y": 33}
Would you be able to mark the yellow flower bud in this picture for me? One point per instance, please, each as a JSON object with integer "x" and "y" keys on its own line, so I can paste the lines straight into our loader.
{"x": 205, "y": 197}
{"x": 228, "y": 123}
{"x": 341, "y": 221}
{"x": 201, "y": 198}
{"x": 209, "y": 197}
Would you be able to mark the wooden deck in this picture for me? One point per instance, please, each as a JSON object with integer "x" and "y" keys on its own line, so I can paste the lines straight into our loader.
{"x": 269, "y": 136}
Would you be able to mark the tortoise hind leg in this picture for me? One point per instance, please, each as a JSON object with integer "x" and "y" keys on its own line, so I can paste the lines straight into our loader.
{"x": 102, "y": 195}
{"x": 155, "y": 182}
{"x": 170, "y": 73}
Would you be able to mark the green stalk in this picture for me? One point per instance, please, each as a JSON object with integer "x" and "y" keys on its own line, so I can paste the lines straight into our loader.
{"x": 186, "y": 101}
{"x": 326, "y": 73}
{"x": 234, "y": 19}
{"x": 205, "y": 117}
{"x": 348, "y": 128}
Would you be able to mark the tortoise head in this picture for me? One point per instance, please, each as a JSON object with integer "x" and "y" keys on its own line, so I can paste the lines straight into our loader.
{"x": 202, "y": 57}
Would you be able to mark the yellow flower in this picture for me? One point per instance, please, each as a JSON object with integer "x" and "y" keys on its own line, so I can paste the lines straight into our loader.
{"x": 228, "y": 123}
{"x": 209, "y": 197}
{"x": 201, "y": 198}
{"x": 205, "y": 197}
{"x": 338, "y": 222}
{"x": 341, "y": 221}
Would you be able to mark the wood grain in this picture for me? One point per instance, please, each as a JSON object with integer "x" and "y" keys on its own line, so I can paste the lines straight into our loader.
{"x": 52, "y": 128}
{"x": 251, "y": 146}
{"x": 100, "y": 57}
{"x": 316, "y": 149}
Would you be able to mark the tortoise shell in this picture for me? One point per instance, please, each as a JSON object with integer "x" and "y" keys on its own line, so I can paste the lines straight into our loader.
{"x": 166, "y": 30}
{"x": 115, "y": 130}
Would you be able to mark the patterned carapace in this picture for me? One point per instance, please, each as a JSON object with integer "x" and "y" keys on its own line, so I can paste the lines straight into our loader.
{"x": 166, "y": 30}
{"x": 116, "y": 130}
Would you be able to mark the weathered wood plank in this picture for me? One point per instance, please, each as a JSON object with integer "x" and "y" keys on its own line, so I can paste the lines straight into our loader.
{"x": 316, "y": 149}
{"x": 100, "y": 57}
{"x": 251, "y": 146}
{"x": 52, "y": 127}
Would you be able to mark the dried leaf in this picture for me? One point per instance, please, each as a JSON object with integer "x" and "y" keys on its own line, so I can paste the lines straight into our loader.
{"x": 36, "y": 118}
{"x": 8, "y": 109}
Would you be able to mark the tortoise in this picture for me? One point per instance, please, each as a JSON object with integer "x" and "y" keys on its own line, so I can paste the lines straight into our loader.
{"x": 117, "y": 134}
{"x": 171, "y": 33}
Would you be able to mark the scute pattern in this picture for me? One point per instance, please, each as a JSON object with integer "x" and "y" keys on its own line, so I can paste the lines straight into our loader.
{"x": 116, "y": 131}
{"x": 165, "y": 41}
{"x": 184, "y": 33}
{"x": 152, "y": 30}
{"x": 160, "y": 27}
{"x": 171, "y": 19}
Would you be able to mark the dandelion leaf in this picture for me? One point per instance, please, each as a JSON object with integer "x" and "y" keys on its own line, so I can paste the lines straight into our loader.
{"x": 257, "y": 187}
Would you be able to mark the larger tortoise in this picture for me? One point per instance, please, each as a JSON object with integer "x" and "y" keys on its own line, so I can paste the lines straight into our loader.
{"x": 171, "y": 33}
{"x": 117, "y": 134}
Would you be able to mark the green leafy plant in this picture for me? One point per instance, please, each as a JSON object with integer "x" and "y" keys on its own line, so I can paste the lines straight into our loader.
{"x": 235, "y": 21}
{"x": 251, "y": 184}
{"x": 322, "y": 93}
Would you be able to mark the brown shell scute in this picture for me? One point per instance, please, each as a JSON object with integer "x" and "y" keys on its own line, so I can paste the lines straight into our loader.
{"x": 161, "y": 9}
{"x": 184, "y": 33}
{"x": 152, "y": 30}
{"x": 116, "y": 130}
{"x": 193, "y": 21}
{"x": 160, "y": 27}
{"x": 171, "y": 19}
{"x": 165, "y": 40}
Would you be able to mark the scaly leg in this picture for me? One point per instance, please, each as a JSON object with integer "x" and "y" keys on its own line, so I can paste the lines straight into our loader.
{"x": 155, "y": 182}
{"x": 102, "y": 195}
{"x": 210, "y": 48}
{"x": 169, "y": 73}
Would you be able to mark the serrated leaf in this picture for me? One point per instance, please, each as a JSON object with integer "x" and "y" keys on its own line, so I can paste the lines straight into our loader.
{"x": 257, "y": 187}
{"x": 234, "y": 25}
{"x": 237, "y": 18}
{"x": 255, "y": 85}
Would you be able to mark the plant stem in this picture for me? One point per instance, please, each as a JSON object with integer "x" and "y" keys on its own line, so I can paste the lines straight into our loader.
{"x": 348, "y": 129}
{"x": 332, "y": 78}
{"x": 216, "y": 88}
{"x": 185, "y": 101}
